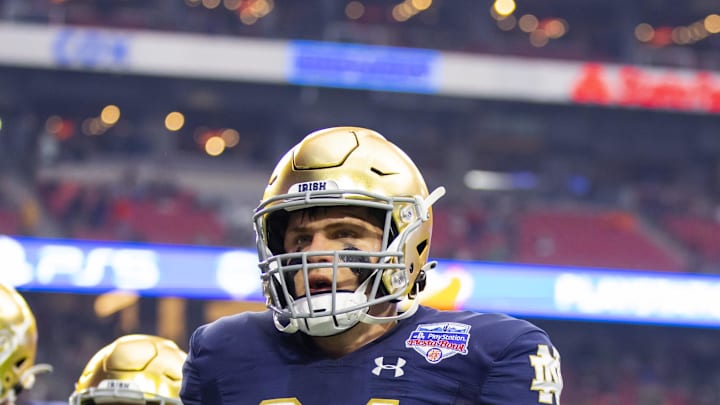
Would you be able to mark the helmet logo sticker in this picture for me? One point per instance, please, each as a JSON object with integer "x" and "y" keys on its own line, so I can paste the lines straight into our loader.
{"x": 321, "y": 185}
{"x": 438, "y": 341}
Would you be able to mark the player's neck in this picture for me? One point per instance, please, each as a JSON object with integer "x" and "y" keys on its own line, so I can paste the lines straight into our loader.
{"x": 356, "y": 337}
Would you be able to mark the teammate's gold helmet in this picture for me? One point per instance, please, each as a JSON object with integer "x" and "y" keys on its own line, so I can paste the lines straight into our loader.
{"x": 18, "y": 345}
{"x": 345, "y": 166}
{"x": 134, "y": 369}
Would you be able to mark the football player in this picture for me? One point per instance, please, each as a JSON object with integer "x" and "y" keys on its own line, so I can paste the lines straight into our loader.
{"x": 18, "y": 346}
{"x": 343, "y": 237}
{"x": 134, "y": 369}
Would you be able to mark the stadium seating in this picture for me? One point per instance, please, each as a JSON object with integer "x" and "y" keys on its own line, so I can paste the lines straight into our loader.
{"x": 590, "y": 238}
{"x": 701, "y": 235}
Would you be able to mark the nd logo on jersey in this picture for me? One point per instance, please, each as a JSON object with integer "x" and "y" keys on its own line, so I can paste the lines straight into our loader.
{"x": 548, "y": 380}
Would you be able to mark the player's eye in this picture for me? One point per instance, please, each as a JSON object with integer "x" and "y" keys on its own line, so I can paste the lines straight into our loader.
{"x": 303, "y": 240}
{"x": 344, "y": 234}
{"x": 299, "y": 241}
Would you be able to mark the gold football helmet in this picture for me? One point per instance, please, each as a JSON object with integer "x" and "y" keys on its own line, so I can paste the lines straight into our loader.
{"x": 18, "y": 345}
{"x": 134, "y": 369}
{"x": 347, "y": 166}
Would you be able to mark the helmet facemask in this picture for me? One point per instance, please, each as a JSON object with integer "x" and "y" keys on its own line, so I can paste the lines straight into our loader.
{"x": 336, "y": 167}
{"x": 384, "y": 275}
{"x": 119, "y": 392}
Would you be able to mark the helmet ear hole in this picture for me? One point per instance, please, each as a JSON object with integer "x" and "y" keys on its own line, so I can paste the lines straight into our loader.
{"x": 422, "y": 246}
{"x": 420, "y": 282}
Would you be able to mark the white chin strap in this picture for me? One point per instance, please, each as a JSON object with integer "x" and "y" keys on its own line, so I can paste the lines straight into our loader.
{"x": 27, "y": 380}
{"x": 333, "y": 324}
{"x": 330, "y": 324}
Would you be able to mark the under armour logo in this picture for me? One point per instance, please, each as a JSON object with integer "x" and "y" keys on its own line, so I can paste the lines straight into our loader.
{"x": 382, "y": 366}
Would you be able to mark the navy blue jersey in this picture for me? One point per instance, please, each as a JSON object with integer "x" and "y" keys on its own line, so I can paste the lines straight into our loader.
{"x": 433, "y": 357}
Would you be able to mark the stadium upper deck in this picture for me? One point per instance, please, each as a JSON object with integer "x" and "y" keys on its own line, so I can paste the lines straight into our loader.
{"x": 661, "y": 32}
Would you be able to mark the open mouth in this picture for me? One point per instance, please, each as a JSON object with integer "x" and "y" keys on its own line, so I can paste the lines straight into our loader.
{"x": 319, "y": 284}
{"x": 321, "y": 291}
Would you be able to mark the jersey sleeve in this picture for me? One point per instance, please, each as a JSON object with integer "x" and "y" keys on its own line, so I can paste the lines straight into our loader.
{"x": 191, "y": 384}
{"x": 527, "y": 372}
{"x": 198, "y": 383}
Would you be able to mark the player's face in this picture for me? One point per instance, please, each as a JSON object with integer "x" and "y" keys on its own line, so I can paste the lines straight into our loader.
{"x": 332, "y": 228}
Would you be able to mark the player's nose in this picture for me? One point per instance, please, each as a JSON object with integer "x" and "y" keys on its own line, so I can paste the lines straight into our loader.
{"x": 320, "y": 243}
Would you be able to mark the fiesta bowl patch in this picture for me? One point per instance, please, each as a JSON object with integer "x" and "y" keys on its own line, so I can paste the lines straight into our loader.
{"x": 438, "y": 341}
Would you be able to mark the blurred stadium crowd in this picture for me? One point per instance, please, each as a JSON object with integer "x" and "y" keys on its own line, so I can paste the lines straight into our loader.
{"x": 526, "y": 181}
{"x": 659, "y": 32}
{"x": 650, "y": 194}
